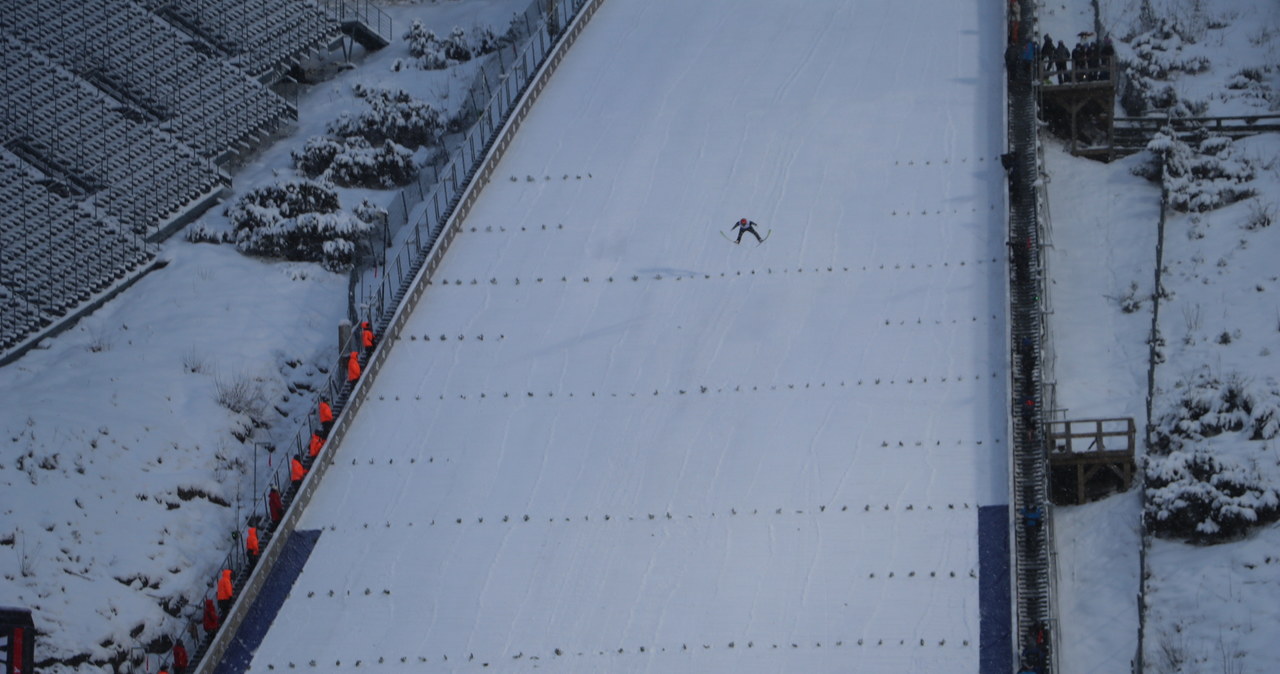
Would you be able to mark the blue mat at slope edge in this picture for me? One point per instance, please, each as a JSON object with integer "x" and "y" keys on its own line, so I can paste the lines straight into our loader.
{"x": 267, "y": 604}
{"x": 995, "y": 645}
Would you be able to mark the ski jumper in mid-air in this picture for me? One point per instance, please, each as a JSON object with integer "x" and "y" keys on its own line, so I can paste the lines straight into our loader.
{"x": 743, "y": 226}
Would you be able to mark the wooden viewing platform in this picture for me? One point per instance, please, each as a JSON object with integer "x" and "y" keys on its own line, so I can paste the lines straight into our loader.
{"x": 1080, "y": 103}
{"x": 1079, "y": 106}
{"x": 1089, "y": 458}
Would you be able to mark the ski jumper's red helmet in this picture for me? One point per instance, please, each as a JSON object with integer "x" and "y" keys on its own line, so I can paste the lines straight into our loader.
{"x": 742, "y": 221}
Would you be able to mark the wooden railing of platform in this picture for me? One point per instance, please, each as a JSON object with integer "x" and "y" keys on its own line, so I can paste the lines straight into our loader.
{"x": 1133, "y": 133}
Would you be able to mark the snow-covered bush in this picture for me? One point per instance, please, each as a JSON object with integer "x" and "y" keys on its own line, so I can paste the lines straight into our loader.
{"x": 371, "y": 213}
{"x": 394, "y": 115}
{"x": 1161, "y": 51}
{"x": 1199, "y": 174}
{"x": 1156, "y": 55}
{"x": 297, "y": 220}
{"x": 203, "y": 232}
{"x": 1211, "y": 405}
{"x": 1206, "y": 499}
{"x": 1252, "y": 86}
{"x": 1260, "y": 215}
{"x": 353, "y": 162}
{"x": 1194, "y": 490}
{"x": 434, "y": 53}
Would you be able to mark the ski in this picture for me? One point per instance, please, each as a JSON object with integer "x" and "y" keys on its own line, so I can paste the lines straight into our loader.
{"x": 761, "y": 242}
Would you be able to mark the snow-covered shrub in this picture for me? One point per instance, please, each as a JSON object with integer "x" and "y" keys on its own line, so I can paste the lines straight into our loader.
{"x": 1248, "y": 77}
{"x": 243, "y": 394}
{"x": 1129, "y": 302}
{"x": 371, "y": 213}
{"x": 1157, "y": 54}
{"x": 1199, "y": 174}
{"x": 297, "y": 220}
{"x": 1260, "y": 215}
{"x": 1206, "y": 499}
{"x": 394, "y": 115}
{"x": 1209, "y": 408}
{"x": 1212, "y": 405}
{"x": 434, "y": 53}
{"x": 289, "y": 199}
{"x": 202, "y": 232}
{"x": 1194, "y": 490}
{"x": 353, "y": 162}
{"x": 1161, "y": 51}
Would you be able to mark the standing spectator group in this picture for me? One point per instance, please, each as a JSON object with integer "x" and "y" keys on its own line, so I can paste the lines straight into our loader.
{"x": 1088, "y": 61}
{"x": 1051, "y": 62}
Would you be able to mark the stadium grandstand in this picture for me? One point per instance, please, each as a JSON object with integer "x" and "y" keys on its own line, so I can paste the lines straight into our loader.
{"x": 118, "y": 120}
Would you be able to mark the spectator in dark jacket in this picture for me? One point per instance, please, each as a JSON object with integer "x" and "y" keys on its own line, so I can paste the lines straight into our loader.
{"x": 1011, "y": 60}
{"x": 1108, "y": 53}
{"x": 1046, "y": 57}
{"x": 1061, "y": 56}
{"x": 1093, "y": 53}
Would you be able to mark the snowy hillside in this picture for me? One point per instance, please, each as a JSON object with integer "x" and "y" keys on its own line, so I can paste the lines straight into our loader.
{"x": 612, "y": 437}
{"x": 1208, "y": 608}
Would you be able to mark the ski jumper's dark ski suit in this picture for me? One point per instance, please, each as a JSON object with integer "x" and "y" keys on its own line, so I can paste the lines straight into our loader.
{"x": 743, "y": 226}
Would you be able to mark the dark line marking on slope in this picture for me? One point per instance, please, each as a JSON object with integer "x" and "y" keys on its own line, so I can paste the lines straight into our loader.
{"x": 703, "y": 389}
{"x": 918, "y": 163}
{"x": 481, "y": 337}
{"x": 528, "y": 178}
{"x": 789, "y": 644}
{"x": 767, "y": 271}
{"x": 864, "y": 509}
{"x": 884, "y": 444}
{"x": 502, "y": 229}
{"x": 935, "y": 212}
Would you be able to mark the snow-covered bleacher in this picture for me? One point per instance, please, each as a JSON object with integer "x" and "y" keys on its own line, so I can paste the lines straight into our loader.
{"x": 148, "y": 63}
{"x": 57, "y": 255}
{"x": 264, "y": 38}
{"x": 115, "y": 118}
{"x": 98, "y": 148}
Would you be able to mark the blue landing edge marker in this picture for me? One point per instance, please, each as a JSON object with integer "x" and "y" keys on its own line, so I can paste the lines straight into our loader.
{"x": 267, "y": 605}
{"x": 995, "y": 639}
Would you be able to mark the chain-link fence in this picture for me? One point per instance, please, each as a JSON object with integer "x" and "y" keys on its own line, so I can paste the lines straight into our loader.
{"x": 444, "y": 192}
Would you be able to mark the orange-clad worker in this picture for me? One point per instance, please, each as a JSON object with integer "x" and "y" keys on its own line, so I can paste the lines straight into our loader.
{"x": 225, "y": 592}
{"x": 296, "y": 471}
{"x": 317, "y": 443}
{"x": 326, "y": 416}
{"x": 353, "y": 366}
{"x": 251, "y": 544}
{"x": 210, "y": 616}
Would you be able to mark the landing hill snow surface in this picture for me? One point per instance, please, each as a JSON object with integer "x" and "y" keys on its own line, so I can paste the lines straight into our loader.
{"x": 610, "y": 440}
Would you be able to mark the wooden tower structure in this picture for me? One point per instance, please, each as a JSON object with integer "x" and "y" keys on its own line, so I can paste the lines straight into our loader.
{"x": 1079, "y": 105}
{"x": 1089, "y": 458}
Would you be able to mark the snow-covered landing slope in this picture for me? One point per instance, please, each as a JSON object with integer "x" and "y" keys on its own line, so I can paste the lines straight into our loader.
{"x": 612, "y": 441}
